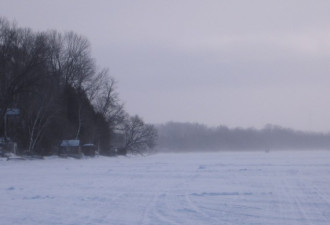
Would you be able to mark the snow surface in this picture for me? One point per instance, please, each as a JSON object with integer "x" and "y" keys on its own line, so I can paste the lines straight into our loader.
{"x": 209, "y": 188}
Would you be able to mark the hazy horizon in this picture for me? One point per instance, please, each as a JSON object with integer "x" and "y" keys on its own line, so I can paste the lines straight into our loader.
{"x": 235, "y": 63}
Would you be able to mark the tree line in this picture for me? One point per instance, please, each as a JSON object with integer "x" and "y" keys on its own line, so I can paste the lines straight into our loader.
{"x": 51, "y": 81}
{"x": 175, "y": 136}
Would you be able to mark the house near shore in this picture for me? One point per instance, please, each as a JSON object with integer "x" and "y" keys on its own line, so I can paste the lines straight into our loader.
{"x": 89, "y": 149}
{"x": 70, "y": 148}
{"x": 75, "y": 149}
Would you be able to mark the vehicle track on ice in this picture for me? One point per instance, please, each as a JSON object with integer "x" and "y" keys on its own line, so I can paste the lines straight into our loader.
{"x": 304, "y": 203}
{"x": 172, "y": 204}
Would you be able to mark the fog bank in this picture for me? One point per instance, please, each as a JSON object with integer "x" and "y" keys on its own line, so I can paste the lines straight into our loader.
{"x": 183, "y": 137}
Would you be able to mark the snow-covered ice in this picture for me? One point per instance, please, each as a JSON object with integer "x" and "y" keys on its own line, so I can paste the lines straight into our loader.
{"x": 284, "y": 188}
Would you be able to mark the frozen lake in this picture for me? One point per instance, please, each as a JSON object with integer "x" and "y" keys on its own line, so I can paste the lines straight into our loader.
{"x": 284, "y": 188}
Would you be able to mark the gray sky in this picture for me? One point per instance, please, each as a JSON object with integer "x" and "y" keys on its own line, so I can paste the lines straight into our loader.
{"x": 243, "y": 63}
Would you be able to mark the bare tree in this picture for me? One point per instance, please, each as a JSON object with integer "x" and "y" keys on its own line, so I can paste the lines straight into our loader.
{"x": 39, "y": 116}
{"x": 22, "y": 63}
{"x": 139, "y": 137}
{"x": 94, "y": 86}
{"x": 106, "y": 100}
{"x": 78, "y": 65}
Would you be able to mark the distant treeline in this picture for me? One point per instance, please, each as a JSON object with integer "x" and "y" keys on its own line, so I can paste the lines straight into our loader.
{"x": 196, "y": 137}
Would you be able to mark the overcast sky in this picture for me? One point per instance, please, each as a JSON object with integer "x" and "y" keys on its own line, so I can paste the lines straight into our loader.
{"x": 241, "y": 63}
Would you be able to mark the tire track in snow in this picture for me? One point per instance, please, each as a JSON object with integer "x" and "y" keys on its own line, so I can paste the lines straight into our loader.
{"x": 161, "y": 206}
{"x": 322, "y": 197}
{"x": 290, "y": 200}
{"x": 187, "y": 196}
{"x": 173, "y": 208}
{"x": 303, "y": 202}
{"x": 314, "y": 199}
{"x": 157, "y": 210}
{"x": 147, "y": 210}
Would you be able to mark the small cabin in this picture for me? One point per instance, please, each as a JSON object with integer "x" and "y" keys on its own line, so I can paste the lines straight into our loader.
{"x": 70, "y": 147}
{"x": 89, "y": 149}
